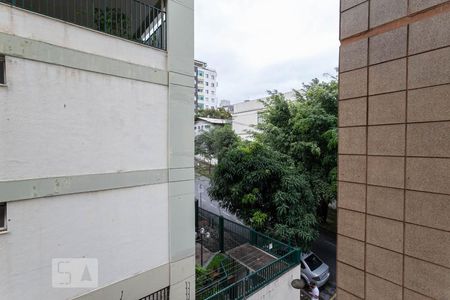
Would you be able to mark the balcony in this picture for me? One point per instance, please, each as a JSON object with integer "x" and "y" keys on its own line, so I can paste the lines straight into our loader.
{"x": 249, "y": 260}
{"x": 141, "y": 21}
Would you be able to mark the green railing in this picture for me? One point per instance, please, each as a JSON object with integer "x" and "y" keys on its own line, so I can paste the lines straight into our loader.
{"x": 227, "y": 235}
{"x": 257, "y": 280}
{"x": 229, "y": 272}
{"x": 237, "y": 234}
{"x": 134, "y": 20}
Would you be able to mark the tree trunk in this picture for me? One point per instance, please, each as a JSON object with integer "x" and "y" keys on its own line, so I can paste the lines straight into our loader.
{"x": 210, "y": 162}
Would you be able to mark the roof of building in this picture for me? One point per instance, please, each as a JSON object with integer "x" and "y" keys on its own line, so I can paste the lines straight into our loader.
{"x": 258, "y": 104}
{"x": 214, "y": 121}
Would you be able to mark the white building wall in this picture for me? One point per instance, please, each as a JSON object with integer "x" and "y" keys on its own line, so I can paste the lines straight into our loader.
{"x": 202, "y": 126}
{"x": 245, "y": 117}
{"x": 59, "y": 121}
{"x": 280, "y": 289}
{"x": 25, "y": 24}
{"x": 125, "y": 229}
{"x": 245, "y": 114}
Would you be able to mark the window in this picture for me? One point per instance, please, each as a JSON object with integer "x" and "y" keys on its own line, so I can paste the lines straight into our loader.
{"x": 207, "y": 75}
{"x": 2, "y": 70}
{"x": 213, "y": 93}
{"x": 200, "y": 73}
{"x": 259, "y": 118}
{"x": 313, "y": 262}
{"x": 201, "y": 98}
{"x": 213, "y": 77}
{"x": 212, "y": 84}
{"x": 207, "y": 83}
{"x": 207, "y": 126}
{"x": 200, "y": 90}
{"x": 2, "y": 216}
{"x": 207, "y": 91}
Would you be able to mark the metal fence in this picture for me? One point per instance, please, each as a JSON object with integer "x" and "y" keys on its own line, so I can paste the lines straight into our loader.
{"x": 258, "y": 279}
{"x": 230, "y": 271}
{"x": 211, "y": 223}
{"x": 227, "y": 235}
{"x": 163, "y": 294}
{"x": 129, "y": 19}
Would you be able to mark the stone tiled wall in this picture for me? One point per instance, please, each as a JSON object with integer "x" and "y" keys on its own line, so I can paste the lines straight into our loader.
{"x": 394, "y": 150}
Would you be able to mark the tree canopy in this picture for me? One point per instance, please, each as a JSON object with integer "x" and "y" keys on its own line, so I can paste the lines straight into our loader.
{"x": 284, "y": 179}
{"x": 212, "y": 143}
{"x": 216, "y": 113}
{"x": 306, "y": 131}
{"x": 267, "y": 191}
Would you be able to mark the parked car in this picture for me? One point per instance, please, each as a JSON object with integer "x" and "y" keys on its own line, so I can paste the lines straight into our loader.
{"x": 314, "y": 269}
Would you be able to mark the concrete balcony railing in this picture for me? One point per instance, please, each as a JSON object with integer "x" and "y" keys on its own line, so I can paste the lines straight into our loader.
{"x": 141, "y": 21}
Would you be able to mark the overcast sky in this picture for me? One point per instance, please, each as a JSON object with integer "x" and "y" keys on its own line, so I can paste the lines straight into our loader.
{"x": 256, "y": 45}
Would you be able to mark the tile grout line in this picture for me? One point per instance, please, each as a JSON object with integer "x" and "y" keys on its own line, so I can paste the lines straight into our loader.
{"x": 398, "y": 91}
{"x": 393, "y": 251}
{"x": 395, "y": 220}
{"x": 367, "y": 151}
{"x": 396, "y": 58}
{"x": 406, "y": 155}
{"x": 403, "y": 21}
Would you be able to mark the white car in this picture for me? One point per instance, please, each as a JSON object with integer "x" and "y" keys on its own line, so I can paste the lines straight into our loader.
{"x": 314, "y": 269}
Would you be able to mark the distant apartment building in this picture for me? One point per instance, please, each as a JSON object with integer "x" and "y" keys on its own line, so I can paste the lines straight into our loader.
{"x": 205, "y": 86}
{"x": 224, "y": 103}
{"x": 96, "y": 152}
{"x": 247, "y": 115}
{"x": 207, "y": 124}
{"x": 394, "y": 150}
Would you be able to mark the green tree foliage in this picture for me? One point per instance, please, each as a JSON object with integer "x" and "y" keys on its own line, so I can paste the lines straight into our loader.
{"x": 212, "y": 143}
{"x": 279, "y": 182}
{"x": 267, "y": 191}
{"x": 204, "y": 145}
{"x": 306, "y": 131}
{"x": 219, "y": 113}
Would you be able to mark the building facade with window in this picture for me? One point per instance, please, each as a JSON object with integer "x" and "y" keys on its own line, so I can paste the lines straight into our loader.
{"x": 205, "y": 86}
{"x": 247, "y": 115}
{"x": 207, "y": 124}
{"x": 96, "y": 152}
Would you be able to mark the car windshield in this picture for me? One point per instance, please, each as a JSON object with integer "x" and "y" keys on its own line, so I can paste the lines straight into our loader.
{"x": 313, "y": 262}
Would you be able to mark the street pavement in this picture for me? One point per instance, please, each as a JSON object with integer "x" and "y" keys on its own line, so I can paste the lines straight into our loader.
{"x": 324, "y": 247}
{"x": 206, "y": 203}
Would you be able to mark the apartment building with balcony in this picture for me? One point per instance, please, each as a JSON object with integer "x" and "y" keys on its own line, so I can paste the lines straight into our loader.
{"x": 96, "y": 147}
{"x": 205, "y": 86}
{"x": 394, "y": 150}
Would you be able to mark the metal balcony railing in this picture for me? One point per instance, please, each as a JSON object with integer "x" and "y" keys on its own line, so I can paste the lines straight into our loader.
{"x": 163, "y": 294}
{"x": 129, "y": 19}
{"x": 227, "y": 236}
